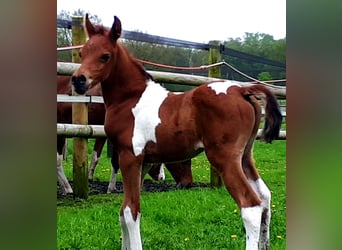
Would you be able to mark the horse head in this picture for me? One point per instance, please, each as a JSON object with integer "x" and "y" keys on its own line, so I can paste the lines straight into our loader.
{"x": 98, "y": 55}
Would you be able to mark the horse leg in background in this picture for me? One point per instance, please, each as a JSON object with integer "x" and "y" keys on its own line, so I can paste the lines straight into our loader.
{"x": 63, "y": 181}
{"x": 97, "y": 150}
{"x": 152, "y": 169}
{"x": 65, "y": 150}
{"x": 157, "y": 172}
{"x": 181, "y": 173}
{"x": 115, "y": 168}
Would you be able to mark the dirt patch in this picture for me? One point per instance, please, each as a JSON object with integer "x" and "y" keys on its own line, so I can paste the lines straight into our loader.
{"x": 100, "y": 187}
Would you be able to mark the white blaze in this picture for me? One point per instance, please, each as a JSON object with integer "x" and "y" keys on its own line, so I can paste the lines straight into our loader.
{"x": 146, "y": 117}
{"x": 222, "y": 87}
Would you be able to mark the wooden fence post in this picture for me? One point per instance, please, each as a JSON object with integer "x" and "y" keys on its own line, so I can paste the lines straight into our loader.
{"x": 79, "y": 116}
{"x": 214, "y": 57}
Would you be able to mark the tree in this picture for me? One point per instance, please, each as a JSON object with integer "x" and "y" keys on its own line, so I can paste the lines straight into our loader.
{"x": 64, "y": 37}
{"x": 258, "y": 44}
{"x": 264, "y": 76}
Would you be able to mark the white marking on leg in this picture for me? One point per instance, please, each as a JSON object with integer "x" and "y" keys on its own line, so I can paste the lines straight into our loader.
{"x": 265, "y": 195}
{"x": 199, "y": 145}
{"x": 222, "y": 87}
{"x": 63, "y": 181}
{"x": 131, "y": 239}
{"x": 112, "y": 183}
{"x": 161, "y": 175}
{"x": 251, "y": 217}
{"x": 146, "y": 116}
{"x": 93, "y": 163}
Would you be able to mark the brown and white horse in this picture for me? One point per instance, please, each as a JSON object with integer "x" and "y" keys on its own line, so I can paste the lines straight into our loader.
{"x": 181, "y": 172}
{"x": 147, "y": 123}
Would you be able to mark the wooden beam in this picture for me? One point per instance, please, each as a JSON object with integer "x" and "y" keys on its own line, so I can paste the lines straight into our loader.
{"x": 215, "y": 72}
{"x": 174, "y": 78}
{"x": 79, "y": 116}
{"x": 93, "y": 131}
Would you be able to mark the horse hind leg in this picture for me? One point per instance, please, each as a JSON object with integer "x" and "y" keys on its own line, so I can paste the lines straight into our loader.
{"x": 264, "y": 194}
{"x": 228, "y": 163}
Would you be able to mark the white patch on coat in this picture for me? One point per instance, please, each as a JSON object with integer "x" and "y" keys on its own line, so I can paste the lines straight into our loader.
{"x": 131, "y": 238}
{"x": 146, "y": 116}
{"x": 222, "y": 87}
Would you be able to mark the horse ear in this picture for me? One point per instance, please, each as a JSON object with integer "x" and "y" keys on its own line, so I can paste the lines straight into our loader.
{"x": 89, "y": 28}
{"x": 115, "y": 31}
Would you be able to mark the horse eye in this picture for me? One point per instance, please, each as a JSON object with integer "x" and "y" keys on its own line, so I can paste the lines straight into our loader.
{"x": 105, "y": 57}
{"x": 79, "y": 54}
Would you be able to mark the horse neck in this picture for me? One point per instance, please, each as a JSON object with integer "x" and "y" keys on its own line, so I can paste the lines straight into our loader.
{"x": 127, "y": 80}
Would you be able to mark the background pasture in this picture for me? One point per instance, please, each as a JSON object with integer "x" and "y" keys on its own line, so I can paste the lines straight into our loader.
{"x": 197, "y": 218}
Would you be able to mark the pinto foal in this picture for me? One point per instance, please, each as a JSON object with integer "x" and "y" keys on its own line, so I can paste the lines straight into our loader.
{"x": 147, "y": 123}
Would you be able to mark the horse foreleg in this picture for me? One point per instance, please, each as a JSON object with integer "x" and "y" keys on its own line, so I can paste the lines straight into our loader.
{"x": 130, "y": 209}
{"x": 63, "y": 181}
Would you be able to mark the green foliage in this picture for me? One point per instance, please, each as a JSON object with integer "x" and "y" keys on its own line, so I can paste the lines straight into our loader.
{"x": 64, "y": 37}
{"x": 258, "y": 44}
{"x": 198, "y": 218}
{"x": 264, "y": 76}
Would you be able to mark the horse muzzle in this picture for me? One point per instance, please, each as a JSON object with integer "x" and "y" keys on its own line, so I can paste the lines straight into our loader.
{"x": 80, "y": 84}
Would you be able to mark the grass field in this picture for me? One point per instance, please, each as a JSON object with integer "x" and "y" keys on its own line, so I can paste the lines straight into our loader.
{"x": 198, "y": 218}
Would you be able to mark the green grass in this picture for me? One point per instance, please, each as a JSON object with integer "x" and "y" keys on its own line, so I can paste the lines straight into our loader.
{"x": 199, "y": 218}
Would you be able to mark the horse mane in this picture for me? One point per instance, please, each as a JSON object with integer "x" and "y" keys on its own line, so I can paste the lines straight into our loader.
{"x": 141, "y": 68}
{"x": 137, "y": 63}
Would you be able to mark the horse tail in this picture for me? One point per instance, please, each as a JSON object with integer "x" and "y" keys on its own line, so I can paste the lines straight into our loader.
{"x": 273, "y": 117}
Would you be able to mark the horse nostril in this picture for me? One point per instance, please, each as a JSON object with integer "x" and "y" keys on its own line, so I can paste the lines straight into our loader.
{"x": 79, "y": 83}
{"x": 78, "y": 79}
{"x": 82, "y": 78}
{"x": 73, "y": 79}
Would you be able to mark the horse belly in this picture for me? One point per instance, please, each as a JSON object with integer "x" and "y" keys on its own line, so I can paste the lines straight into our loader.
{"x": 172, "y": 147}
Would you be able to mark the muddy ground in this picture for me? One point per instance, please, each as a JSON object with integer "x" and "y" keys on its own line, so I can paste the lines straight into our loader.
{"x": 100, "y": 187}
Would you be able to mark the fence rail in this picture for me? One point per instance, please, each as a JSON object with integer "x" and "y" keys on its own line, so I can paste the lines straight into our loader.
{"x": 93, "y": 131}
{"x": 64, "y": 68}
